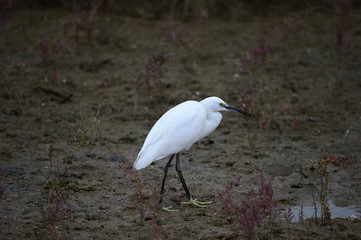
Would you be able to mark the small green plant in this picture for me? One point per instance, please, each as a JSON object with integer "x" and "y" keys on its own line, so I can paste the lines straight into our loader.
{"x": 60, "y": 184}
{"x": 321, "y": 168}
{"x": 88, "y": 189}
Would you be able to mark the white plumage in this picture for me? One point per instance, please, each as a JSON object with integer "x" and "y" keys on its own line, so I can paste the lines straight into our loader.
{"x": 180, "y": 127}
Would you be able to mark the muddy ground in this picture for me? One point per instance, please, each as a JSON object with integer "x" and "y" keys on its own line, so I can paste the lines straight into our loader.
{"x": 76, "y": 108}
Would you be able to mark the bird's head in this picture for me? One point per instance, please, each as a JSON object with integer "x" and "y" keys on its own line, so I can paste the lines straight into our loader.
{"x": 216, "y": 104}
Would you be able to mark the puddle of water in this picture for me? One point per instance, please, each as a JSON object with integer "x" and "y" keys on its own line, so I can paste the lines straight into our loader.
{"x": 336, "y": 212}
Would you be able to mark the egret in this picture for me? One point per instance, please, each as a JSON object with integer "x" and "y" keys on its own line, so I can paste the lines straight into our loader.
{"x": 177, "y": 130}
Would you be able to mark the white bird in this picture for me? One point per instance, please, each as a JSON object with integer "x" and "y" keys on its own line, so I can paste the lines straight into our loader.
{"x": 177, "y": 130}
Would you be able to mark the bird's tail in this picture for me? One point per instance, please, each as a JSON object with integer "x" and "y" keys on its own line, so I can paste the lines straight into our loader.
{"x": 145, "y": 158}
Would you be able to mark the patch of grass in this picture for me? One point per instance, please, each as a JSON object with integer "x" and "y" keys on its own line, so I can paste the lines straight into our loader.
{"x": 88, "y": 189}
{"x": 60, "y": 184}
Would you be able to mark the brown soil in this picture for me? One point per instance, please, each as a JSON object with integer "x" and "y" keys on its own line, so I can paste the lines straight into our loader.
{"x": 72, "y": 125}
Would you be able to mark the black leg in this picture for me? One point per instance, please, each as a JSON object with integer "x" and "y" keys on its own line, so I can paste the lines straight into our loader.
{"x": 179, "y": 172}
{"x": 165, "y": 175}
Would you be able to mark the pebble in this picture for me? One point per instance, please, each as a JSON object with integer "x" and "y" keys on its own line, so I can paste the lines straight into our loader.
{"x": 14, "y": 188}
{"x": 117, "y": 158}
{"x": 15, "y": 170}
{"x": 12, "y": 111}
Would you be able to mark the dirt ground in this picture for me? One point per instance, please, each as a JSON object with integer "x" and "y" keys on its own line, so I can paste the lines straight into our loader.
{"x": 76, "y": 108}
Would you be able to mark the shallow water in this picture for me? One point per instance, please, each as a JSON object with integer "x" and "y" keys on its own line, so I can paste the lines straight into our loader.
{"x": 336, "y": 212}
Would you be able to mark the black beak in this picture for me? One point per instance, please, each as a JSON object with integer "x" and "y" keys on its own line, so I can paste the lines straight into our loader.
{"x": 237, "y": 110}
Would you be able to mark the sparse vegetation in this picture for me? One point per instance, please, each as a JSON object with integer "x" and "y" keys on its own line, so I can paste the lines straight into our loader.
{"x": 71, "y": 70}
{"x": 256, "y": 213}
{"x": 55, "y": 211}
{"x": 153, "y": 72}
{"x": 321, "y": 168}
{"x": 252, "y": 61}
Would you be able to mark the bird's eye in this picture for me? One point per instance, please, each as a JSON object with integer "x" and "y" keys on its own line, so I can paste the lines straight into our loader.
{"x": 221, "y": 104}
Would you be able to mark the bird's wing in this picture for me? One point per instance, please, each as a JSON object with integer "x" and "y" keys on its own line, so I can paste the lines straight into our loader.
{"x": 175, "y": 131}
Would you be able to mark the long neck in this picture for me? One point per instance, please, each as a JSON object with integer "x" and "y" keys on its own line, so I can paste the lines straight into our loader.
{"x": 213, "y": 120}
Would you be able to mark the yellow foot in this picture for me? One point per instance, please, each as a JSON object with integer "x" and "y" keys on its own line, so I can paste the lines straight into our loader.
{"x": 169, "y": 209}
{"x": 197, "y": 203}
